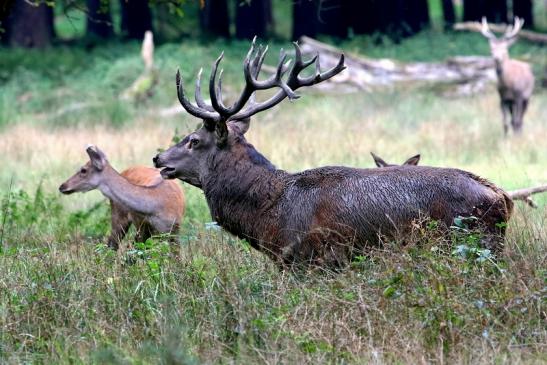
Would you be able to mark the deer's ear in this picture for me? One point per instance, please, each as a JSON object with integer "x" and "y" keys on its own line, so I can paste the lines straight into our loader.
{"x": 241, "y": 125}
{"x": 413, "y": 161}
{"x": 97, "y": 157}
{"x": 378, "y": 161}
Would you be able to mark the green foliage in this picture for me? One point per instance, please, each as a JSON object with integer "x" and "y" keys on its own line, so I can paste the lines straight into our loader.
{"x": 65, "y": 298}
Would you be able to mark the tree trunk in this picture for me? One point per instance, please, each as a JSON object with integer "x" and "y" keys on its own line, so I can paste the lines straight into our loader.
{"x": 29, "y": 26}
{"x": 523, "y": 9}
{"x": 496, "y": 11}
{"x": 5, "y": 9}
{"x": 473, "y": 10}
{"x": 99, "y": 22}
{"x": 253, "y": 18}
{"x": 136, "y": 18}
{"x": 331, "y": 19}
{"x": 449, "y": 15}
{"x": 361, "y": 16}
{"x": 304, "y": 18}
{"x": 215, "y": 19}
{"x": 416, "y": 16}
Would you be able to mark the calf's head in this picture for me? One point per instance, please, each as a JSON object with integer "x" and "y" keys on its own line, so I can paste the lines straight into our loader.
{"x": 89, "y": 176}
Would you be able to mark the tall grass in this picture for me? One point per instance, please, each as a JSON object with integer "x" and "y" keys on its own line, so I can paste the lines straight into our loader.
{"x": 68, "y": 299}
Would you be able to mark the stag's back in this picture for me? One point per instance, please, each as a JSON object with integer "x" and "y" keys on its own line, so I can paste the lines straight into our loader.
{"x": 384, "y": 200}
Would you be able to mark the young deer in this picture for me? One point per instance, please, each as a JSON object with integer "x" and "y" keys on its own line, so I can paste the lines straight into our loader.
{"x": 515, "y": 78}
{"x": 323, "y": 215}
{"x": 412, "y": 161}
{"x": 138, "y": 196}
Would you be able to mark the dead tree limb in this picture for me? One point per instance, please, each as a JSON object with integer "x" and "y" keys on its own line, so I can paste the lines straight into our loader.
{"x": 524, "y": 34}
{"x": 365, "y": 73}
{"x": 525, "y": 194}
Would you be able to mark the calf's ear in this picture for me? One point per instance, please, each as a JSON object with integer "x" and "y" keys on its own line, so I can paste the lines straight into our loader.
{"x": 413, "y": 161}
{"x": 378, "y": 161}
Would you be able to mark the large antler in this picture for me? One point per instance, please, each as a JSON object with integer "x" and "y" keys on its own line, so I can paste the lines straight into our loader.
{"x": 513, "y": 30}
{"x": 485, "y": 29}
{"x": 510, "y": 32}
{"x": 294, "y": 82}
{"x": 217, "y": 114}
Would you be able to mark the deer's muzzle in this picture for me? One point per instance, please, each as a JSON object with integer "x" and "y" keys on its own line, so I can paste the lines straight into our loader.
{"x": 64, "y": 189}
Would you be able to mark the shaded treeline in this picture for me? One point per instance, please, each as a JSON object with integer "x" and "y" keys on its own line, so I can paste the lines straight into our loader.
{"x": 29, "y": 23}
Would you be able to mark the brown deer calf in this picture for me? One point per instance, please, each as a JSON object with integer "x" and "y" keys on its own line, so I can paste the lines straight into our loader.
{"x": 412, "y": 161}
{"x": 323, "y": 215}
{"x": 138, "y": 196}
{"x": 515, "y": 78}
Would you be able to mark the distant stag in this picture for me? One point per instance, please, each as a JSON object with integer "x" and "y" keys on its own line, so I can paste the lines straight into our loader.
{"x": 321, "y": 216}
{"x": 412, "y": 161}
{"x": 138, "y": 196}
{"x": 515, "y": 78}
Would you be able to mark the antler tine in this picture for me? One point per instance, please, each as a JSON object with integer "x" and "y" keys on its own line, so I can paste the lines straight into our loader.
{"x": 251, "y": 50}
{"x": 298, "y": 58}
{"x": 256, "y": 64}
{"x": 513, "y": 30}
{"x": 189, "y": 107}
{"x": 485, "y": 29}
{"x": 265, "y": 84}
{"x": 318, "y": 66}
{"x": 199, "y": 99}
{"x": 215, "y": 92}
{"x": 295, "y": 81}
{"x": 218, "y": 91}
{"x": 251, "y": 66}
{"x": 276, "y": 80}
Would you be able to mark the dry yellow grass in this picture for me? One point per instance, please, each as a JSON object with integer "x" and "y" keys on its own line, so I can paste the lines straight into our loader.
{"x": 318, "y": 130}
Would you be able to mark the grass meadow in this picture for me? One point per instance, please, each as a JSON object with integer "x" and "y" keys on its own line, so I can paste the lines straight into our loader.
{"x": 66, "y": 298}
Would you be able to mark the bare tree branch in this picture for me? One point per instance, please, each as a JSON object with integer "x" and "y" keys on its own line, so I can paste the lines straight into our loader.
{"x": 524, "y": 194}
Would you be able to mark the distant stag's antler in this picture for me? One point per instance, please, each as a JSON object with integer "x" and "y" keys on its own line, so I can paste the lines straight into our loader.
{"x": 510, "y": 32}
{"x": 217, "y": 114}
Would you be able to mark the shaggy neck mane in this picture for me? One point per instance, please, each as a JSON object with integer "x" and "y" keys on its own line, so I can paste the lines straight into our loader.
{"x": 242, "y": 188}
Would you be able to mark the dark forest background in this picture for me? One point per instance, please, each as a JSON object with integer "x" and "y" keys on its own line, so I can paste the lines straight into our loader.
{"x": 37, "y": 23}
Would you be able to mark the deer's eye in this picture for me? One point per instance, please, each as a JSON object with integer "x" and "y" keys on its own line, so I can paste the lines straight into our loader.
{"x": 83, "y": 170}
{"x": 194, "y": 142}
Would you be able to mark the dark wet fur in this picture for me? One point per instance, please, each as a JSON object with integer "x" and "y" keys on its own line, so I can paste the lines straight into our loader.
{"x": 320, "y": 215}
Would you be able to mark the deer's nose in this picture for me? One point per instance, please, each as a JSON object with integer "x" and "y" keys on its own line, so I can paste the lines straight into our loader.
{"x": 156, "y": 161}
{"x": 63, "y": 189}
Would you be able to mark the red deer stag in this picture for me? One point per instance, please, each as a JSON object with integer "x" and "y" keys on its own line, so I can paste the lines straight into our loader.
{"x": 321, "y": 215}
{"x": 515, "y": 78}
{"x": 412, "y": 161}
{"x": 138, "y": 196}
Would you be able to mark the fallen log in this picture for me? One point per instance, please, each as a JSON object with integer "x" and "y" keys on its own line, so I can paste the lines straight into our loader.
{"x": 525, "y": 194}
{"x": 523, "y": 34}
{"x": 367, "y": 73}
